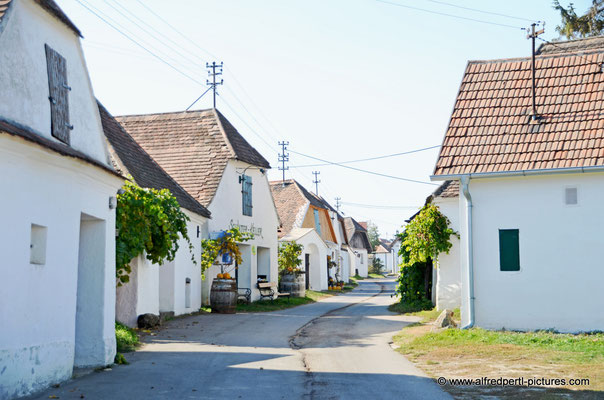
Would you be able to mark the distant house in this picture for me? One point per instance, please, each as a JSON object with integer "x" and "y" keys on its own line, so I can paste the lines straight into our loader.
{"x": 203, "y": 152}
{"x": 57, "y": 302}
{"x": 359, "y": 245}
{"x": 383, "y": 252}
{"x": 531, "y": 189}
{"x": 305, "y": 219}
{"x": 175, "y": 286}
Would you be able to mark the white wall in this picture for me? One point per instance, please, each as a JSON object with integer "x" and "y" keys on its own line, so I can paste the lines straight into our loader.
{"x": 24, "y": 81}
{"x": 318, "y": 250}
{"x": 38, "y": 302}
{"x": 448, "y": 266}
{"x": 559, "y": 284}
{"x": 226, "y": 208}
{"x": 361, "y": 261}
{"x": 386, "y": 260}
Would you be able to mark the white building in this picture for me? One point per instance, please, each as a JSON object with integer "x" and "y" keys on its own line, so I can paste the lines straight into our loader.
{"x": 300, "y": 210}
{"x": 206, "y": 155}
{"x": 174, "y": 288}
{"x": 447, "y": 272}
{"x": 531, "y": 189}
{"x": 359, "y": 246}
{"x": 57, "y": 304}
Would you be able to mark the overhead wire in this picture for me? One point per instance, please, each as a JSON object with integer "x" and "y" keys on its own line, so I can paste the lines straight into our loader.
{"x": 364, "y": 170}
{"x": 449, "y": 15}
{"x": 89, "y": 7}
{"x": 370, "y": 158}
{"x": 480, "y": 11}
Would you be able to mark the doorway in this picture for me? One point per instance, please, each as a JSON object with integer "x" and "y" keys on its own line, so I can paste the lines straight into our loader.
{"x": 307, "y": 270}
{"x": 89, "y": 344}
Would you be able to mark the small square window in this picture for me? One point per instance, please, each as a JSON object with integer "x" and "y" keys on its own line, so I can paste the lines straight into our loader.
{"x": 37, "y": 244}
{"x": 570, "y": 196}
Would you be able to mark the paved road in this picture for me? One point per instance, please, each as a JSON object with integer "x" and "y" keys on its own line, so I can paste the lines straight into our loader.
{"x": 336, "y": 348}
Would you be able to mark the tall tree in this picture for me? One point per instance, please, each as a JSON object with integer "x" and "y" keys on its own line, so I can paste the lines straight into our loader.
{"x": 589, "y": 24}
{"x": 374, "y": 234}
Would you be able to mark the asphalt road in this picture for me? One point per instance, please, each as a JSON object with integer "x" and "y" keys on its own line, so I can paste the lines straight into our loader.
{"x": 337, "y": 348}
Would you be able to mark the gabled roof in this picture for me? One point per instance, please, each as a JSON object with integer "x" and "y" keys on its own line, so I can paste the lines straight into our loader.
{"x": 55, "y": 10}
{"x": 386, "y": 245}
{"x": 291, "y": 200}
{"x": 448, "y": 189}
{"x": 13, "y": 129}
{"x": 490, "y": 129}
{"x": 129, "y": 158}
{"x": 192, "y": 146}
{"x": 356, "y": 234}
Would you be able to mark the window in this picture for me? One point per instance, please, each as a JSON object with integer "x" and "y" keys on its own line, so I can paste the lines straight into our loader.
{"x": 188, "y": 293}
{"x": 317, "y": 221}
{"x": 509, "y": 250}
{"x": 247, "y": 195}
{"x": 58, "y": 95}
{"x": 37, "y": 245}
{"x": 570, "y": 196}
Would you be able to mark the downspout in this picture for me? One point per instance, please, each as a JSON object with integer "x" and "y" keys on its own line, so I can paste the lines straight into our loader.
{"x": 465, "y": 180}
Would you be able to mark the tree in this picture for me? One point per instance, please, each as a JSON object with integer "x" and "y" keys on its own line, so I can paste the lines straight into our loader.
{"x": 290, "y": 258}
{"x": 589, "y": 24}
{"x": 377, "y": 266}
{"x": 374, "y": 234}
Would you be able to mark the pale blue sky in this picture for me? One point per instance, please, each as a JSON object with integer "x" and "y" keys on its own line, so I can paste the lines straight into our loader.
{"x": 340, "y": 79}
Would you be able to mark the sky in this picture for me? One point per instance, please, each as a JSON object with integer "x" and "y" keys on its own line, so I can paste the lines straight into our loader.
{"x": 340, "y": 80}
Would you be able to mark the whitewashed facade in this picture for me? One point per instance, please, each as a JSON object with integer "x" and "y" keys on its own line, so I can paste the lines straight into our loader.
{"x": 259, "y": 254}
{"x": 57, "y": 305}
{"x": 314, "y": 254}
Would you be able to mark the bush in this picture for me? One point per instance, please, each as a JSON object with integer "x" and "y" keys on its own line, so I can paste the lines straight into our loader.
{"x": 125, "y": 338}
{"x": 377, "y": 267}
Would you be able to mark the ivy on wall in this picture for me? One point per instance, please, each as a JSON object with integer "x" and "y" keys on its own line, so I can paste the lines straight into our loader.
{"x": 148, "y": 221}
{"x": 427, "y": 235}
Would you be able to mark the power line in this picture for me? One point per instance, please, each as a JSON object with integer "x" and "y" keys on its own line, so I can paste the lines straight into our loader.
{"x": 379, "y": 207}
{"x": 449, "y": 15}
{"x": 365, "y": 171}
{"x": 137, "y": 43}
{"x": 480, "y": 11}
{"x": 369, "y": 159}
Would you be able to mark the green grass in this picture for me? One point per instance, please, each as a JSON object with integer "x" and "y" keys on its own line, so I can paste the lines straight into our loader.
{"x": 376, "y": 276}
{"x": 126, "y": 338}
{"x": 356, "y": 278}
{"x": 414, "y": 307}
{"x": 578, "y": 348}
{"x": 282, "y": 303}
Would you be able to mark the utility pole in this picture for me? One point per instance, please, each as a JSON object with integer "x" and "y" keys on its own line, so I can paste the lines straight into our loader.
{"x": 283, "y": 158}
{"x": 533, "y": 35}
{"x": 316, "y": 181}
{"x": 338, "y": 204}
{"x": 213, "y": 73}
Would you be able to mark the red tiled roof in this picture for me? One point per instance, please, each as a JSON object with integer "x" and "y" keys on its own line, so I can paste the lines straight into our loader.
{"x": 490, "y": 129}
{"x": 449, "y": 189}
{"x": 193, "y": 147}
{"x": 129, "y": 158}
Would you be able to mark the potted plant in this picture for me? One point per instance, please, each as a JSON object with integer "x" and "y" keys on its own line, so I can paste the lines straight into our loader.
{"x": 290, "y": 274}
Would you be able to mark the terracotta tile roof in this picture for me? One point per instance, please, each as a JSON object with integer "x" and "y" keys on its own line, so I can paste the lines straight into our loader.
{"x": 4, "y": 4}
{"x": 291, "y": 199}
{"x": 12, "y": 129}
{"x": 193, "y": 147}
{"x": 129, "y": 158}
{"x": 490, "y": 130}
{"x": 449, "y": 189}
{"x": 290, "y": 204}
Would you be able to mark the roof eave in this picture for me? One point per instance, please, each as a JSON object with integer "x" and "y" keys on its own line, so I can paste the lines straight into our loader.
{"x": 528, "y": 172}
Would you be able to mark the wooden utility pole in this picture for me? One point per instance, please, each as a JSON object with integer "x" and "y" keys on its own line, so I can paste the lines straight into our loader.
{"x": 533, "y": 35}
{"x": 214, "y": 73}
{"x": 316, "y": 181}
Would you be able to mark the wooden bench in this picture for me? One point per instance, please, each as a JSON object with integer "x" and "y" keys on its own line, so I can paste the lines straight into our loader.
{"x": 244, "y": 294}
{"x": 269, "y": 289}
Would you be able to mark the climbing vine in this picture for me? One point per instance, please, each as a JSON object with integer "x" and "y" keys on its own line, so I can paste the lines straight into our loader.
{"x": 226, "y": 243}
{"x": 149, "y": 221}
{"x": 427, "y": 235}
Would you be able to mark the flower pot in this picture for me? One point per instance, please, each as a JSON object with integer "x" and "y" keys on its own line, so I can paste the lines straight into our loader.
{"x": 294, "y": 284}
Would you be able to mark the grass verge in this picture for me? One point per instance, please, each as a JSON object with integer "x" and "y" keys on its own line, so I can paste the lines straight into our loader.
{"x": 376, "y": 276}
{"x": 476, "y": 353}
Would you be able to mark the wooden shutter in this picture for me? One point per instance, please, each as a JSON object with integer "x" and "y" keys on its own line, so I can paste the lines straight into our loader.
{"x": 247, "y": 195}
{"x": 317, "y": 221}
{"x": 59, "y": 90}
{"x": 509, "y": 250}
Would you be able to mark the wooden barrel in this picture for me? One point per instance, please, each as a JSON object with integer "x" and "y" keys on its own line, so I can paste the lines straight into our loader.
{"x": 223, "y": 296}
{"x": 293, "y": 284}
